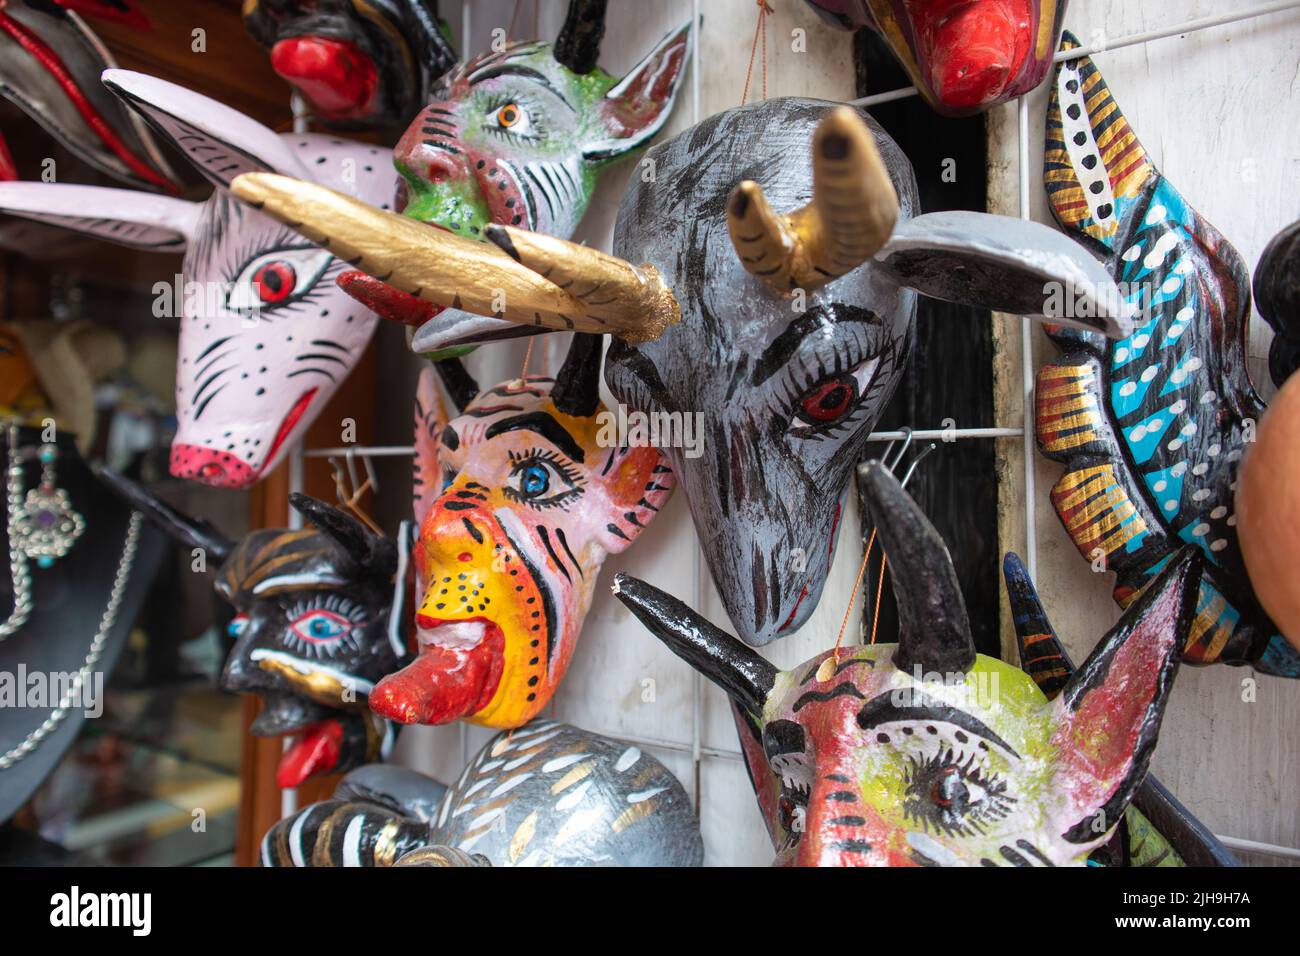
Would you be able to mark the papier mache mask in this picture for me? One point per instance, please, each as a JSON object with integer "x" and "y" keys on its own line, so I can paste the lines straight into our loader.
{"x": 360, "y": 64}
{"x": 1266, "y": 500}
{"x": 963, "y": 55}
{"x": 265, "y": 334}
{"x": 518, "y": 137}
{"x": 924, "y": 752}
{"x": 1151, "y": 427}
{"x": 547, "y": 794}
{"x": 510, "y": 548}
{"x": 322, "y": 616}
{"x": 50, "y": 62}
{"x": 786, "y": 333}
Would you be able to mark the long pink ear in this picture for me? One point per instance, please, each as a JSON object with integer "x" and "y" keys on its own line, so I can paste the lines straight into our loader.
{"x": 638, "y": 483}
{"x": 1108, "y": 715}
{"x": 124, "y": 216}
{"x": 220, "y": 142}
{"x": 430, "y": 419}
{"x": 638, "y": 106}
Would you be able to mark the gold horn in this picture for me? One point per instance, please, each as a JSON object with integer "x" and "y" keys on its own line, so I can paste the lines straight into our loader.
{"x": 427, "y": 262}
{"x": 632, "y": 302}
{"x": 852, "y": 213}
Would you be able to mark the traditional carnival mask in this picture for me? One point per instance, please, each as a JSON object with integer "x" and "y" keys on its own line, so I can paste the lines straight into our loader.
{"x": 924, "y": 752}
{"x": 547, "y": 794}
{"x": 533, "y": 497}
{"x": 786, "y": 333}
{"x": 1156, "y": 830}
{"x": 1267, "y": 505}
{"x": 322, "y": 614}
{"x": 360, "y": 64}
{"x": 50, "y": 63}
{"x": 265, "y": 334}
{"x": 1151, "y": 427}
{"x": 963, "y": 55}
{"x": 517, "y": 137}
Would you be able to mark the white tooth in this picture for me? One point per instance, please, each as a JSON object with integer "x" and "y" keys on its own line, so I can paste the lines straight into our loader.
{"x": 466, "y": 634}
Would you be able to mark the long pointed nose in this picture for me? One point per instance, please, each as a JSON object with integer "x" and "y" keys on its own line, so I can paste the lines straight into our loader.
{"x": 973, "y": 58}
{"x": 335, "y": 76}
{"x": 840, "y": 828}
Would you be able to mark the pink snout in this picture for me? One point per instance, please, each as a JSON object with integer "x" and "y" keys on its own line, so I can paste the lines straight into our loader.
{"x": 210, "y": 467}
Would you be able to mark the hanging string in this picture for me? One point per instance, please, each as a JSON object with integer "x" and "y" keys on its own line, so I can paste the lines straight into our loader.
{"x": 528, "y": 354}
{"x": 828, "y": 665}
{"x": 857, "y": 583}
{"x": 760, "y": 33}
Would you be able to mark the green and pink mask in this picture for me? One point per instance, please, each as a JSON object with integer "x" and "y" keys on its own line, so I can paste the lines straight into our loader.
{"x": 924, "y": 752}
{"x": 517, "y": 137}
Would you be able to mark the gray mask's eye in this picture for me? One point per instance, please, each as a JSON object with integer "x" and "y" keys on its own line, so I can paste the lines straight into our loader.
{"x": 833, "y": 401}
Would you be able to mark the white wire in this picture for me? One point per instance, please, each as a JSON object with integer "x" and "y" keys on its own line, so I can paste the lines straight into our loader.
{"x": 1190, "y": 26}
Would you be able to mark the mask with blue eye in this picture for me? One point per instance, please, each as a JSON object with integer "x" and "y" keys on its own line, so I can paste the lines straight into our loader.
{"x": 321, "y": 625}
{"x": 237, "y": 626}
{"x": 542, "y": 479}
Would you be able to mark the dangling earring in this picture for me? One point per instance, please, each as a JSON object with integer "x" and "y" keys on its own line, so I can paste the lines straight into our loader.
{"x": 45, "y": 527}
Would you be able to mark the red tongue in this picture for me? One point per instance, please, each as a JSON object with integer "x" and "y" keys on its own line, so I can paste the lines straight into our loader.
{"x": 334, "y": 75}
{"x": 385, "y": 301}
{"x": 315, "y": 752}
{"x": 441, "y": 685}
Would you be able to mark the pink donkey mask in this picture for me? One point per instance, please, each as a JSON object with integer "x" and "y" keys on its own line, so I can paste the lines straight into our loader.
{"x": 265, "y": 334}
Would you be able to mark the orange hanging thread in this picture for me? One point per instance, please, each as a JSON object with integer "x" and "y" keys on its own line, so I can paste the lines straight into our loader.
{"x": 528, "y": 354}
{"x": 760, "y": 32}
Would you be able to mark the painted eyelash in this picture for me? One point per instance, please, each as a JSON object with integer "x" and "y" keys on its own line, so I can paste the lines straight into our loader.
{"x": 340, "y": 605}
{"x": 995, "y": 805}
{"x": 562, "y": 464}
{"x": 498, "y": 100}
{"x": 561, "y": 499}
{"x": 843, "y": 365}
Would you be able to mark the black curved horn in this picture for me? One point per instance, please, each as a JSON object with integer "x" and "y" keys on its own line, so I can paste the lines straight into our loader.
{"x": 460, "y": 385}
{"x": 578, "y": 45}
{"x": 934, "y": 631}
{"x": 434, "y": 53}
{"x": 577, "y": 384}
{"x": 744, "y": 675}
{"x": 373, "y": 553}
{"x": 192, "y": 532}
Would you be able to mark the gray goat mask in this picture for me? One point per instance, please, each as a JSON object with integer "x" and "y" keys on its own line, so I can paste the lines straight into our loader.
{"x": 788, "y": 387}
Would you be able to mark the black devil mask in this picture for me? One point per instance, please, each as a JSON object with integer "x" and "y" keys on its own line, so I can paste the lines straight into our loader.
{"x": 320, "y": 620}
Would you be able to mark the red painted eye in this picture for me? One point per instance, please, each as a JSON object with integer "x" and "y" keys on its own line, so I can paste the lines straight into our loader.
{"x": 275, "y": 281}
{"x": 828, "y": 401}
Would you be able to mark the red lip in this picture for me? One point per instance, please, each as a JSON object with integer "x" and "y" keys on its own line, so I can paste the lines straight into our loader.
{"x": 290, "y": 420}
